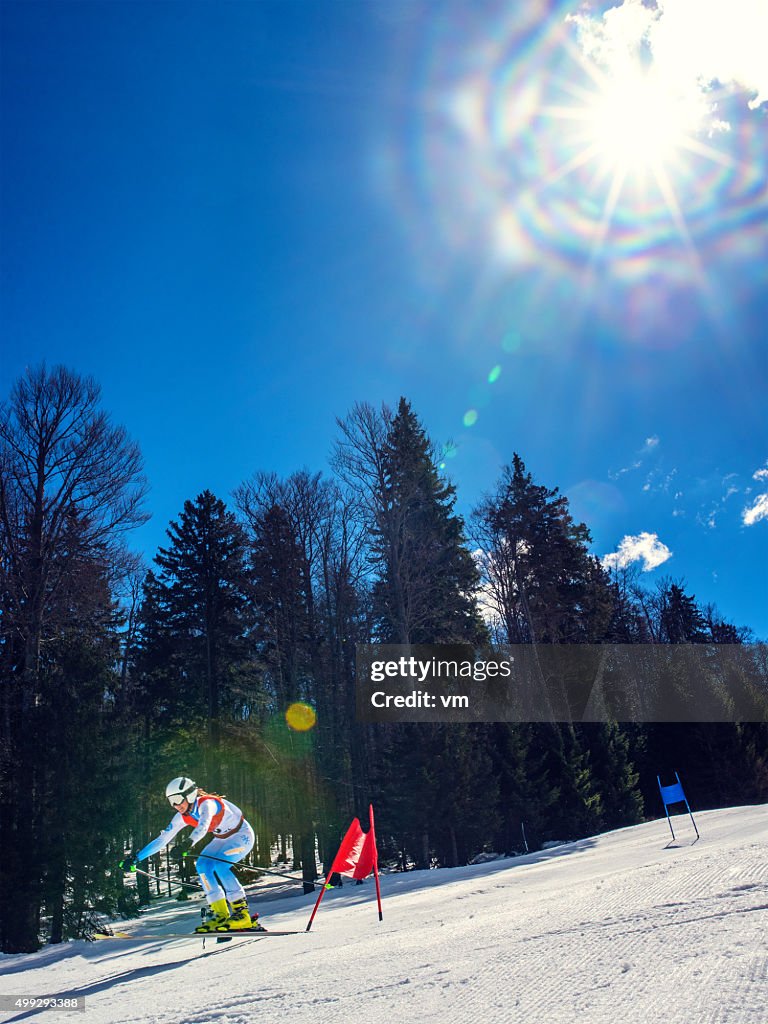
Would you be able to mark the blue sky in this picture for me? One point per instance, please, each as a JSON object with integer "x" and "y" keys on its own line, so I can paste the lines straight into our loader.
{"x": 243, "y": 218}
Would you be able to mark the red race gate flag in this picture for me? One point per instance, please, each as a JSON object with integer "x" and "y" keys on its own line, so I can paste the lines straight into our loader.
{"x": 357, "y": 857}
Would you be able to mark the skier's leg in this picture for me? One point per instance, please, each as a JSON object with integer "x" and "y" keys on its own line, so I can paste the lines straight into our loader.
{"x": 210, "y": 877}
{"x": 214, "y": 894}
{"x": 232, "y": 850}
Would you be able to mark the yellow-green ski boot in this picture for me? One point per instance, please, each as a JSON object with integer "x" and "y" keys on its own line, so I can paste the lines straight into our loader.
{"x": 240, "y": 918}
{"x": 219, "y": 920}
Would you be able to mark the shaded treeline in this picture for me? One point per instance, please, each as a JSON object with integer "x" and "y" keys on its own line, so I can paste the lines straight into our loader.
{"x": 115, "y": 678}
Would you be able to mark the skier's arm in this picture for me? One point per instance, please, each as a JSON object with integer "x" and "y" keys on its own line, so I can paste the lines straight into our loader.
{"x": 207, "y": 810}
{"x": 177, "y": 823}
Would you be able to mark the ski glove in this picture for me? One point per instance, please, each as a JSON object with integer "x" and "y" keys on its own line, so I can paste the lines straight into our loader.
{"x": 128, "y": 864}
{"x": 179, "y": 853}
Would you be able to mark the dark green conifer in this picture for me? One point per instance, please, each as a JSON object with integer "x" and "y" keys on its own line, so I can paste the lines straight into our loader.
{"x": 203, "y": 592}
{"x": 427, "y": 581}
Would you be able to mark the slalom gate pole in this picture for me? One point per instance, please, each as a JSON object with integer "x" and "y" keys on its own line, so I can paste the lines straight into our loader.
{"x": 375, "y": 862}
{"x": 666, "y": 809}
{"x": 693, "y": 820}
{"x": 326, "y": 885}
{"x": 690, "y": 812}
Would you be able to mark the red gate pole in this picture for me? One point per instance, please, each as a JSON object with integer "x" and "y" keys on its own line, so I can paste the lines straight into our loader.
{"x": 375, "y": 861}
{"x": 322, "y": 893}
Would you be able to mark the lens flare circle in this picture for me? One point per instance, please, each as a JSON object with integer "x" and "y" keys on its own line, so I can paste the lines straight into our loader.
{"x": 300, "y": 717}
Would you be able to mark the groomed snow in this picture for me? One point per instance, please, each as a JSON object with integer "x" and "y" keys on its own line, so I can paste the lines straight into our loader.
{"x": 613, "y": 928}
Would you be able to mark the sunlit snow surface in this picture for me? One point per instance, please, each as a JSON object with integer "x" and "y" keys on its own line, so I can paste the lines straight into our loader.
{"x": 614, "y": 928}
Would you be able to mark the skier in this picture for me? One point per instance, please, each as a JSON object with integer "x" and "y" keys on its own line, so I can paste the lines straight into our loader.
{"x": 233, "y": 838}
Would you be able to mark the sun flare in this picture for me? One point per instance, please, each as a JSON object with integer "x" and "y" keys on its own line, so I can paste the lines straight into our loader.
{"x": 637, "y": 123}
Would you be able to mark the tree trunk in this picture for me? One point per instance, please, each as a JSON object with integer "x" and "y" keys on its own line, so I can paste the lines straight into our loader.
{"x": 57, "y": 919}
{"x": 308, "y": 863}
{"x": 425, "y": 858}
{"x": 454, "y": 848}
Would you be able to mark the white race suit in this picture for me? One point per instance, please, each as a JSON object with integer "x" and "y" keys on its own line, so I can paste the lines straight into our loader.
{"x": 233, "y": 839}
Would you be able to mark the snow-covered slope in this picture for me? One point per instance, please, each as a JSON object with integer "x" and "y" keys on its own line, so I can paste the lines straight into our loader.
{"x": 614, "y": 928}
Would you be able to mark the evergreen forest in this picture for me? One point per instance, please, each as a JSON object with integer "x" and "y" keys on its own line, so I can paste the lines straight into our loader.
{"x": 119, "y": 671}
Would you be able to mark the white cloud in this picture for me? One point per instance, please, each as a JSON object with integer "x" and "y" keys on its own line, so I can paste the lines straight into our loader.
{"x": 756, "y": 511}
{"x": 651, "y": 442}
{"x": 645, "y": 548}
{"x": 715, "y": 41}
{"x": 694, "y": 44}
{"x": 760, "y": 474}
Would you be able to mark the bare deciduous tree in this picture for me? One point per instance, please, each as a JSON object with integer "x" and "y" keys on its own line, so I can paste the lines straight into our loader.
{"x": 61, "y": 460}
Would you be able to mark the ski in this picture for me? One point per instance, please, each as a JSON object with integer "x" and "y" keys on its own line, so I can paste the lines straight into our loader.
{"x": 193, "y": 935}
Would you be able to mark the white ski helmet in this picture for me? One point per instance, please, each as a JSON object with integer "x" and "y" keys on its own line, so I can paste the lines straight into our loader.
{"x": 181, "y": 789}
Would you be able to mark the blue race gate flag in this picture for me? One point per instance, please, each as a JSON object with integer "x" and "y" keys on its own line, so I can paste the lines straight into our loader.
{"x": 674, "y": 795}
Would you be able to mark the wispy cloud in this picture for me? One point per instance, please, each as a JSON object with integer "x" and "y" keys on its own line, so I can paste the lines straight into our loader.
{"x": 616, "y": 473}
{"x": 649, "y": 445}
{"x": 645, "y": 548}
{"x": 761, "y": 474}
{"x": 658, "y": 481}
{"x": 756, "y": 511}
{"x": 714, "y": 508}
{"x": 708, "y": 519}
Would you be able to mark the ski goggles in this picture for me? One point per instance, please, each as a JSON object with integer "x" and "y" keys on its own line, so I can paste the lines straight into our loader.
{"x": 176, "y": 799}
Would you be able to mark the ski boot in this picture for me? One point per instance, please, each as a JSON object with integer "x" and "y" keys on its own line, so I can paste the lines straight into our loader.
{"x": 241, "y": 919}
{"x": 219, "y": 920}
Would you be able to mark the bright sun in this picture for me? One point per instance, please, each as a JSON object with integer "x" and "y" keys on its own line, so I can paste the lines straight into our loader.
{"x": 637, "y": 123}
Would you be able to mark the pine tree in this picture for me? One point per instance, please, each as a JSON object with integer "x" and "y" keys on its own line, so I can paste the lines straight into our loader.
{"x": 680, "y": 618}
{"x": 463, "y": 817}
{"x": 579, "y": 810}
{"x": 527, "y": 797}
{"x": 614, "y": 774}
{"x": 544, "y": 587}
{"x": 541, "y": 580}
{"x": 280, "y": 628}
{"x": 202, "y": 591}
{"x": 85, "y": 735}
{"x": 427, "y": 579}
{"x": 424, "y": 592}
